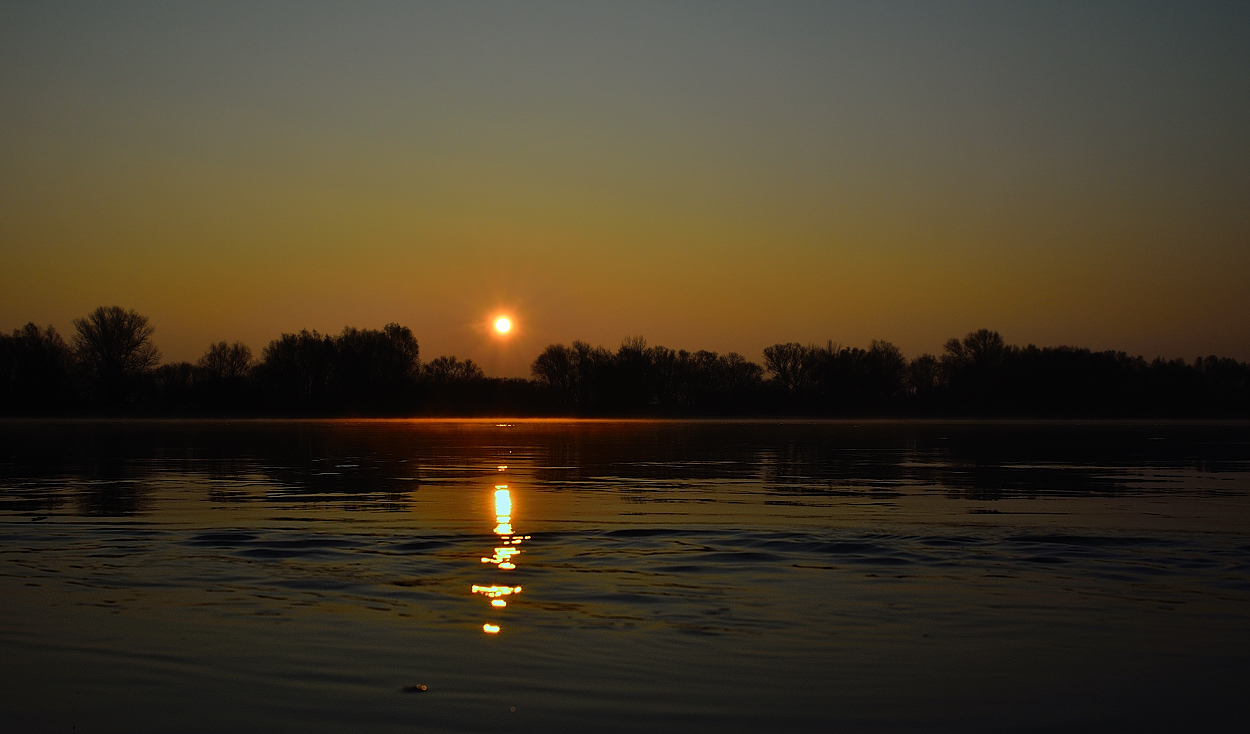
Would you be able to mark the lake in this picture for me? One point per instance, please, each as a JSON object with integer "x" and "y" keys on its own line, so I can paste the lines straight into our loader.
{"x": 623, "y": 576}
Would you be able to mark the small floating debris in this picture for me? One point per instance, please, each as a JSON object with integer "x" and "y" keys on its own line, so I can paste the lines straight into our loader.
{"x": 417, "y": 688}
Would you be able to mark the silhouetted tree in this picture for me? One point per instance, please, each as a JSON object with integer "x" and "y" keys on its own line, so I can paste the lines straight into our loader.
{"x": 1228, "y": 383}
{"x": 652, "y": 380}
{"x": 982, "y": 348}
{"x": 854, "y": 380}
{"x": 595, "y": 367}
{"x": 670, "y": 379}
{"x": 225, "y": 362}
{"x": 887, "y": 375}
{"x": 925, "y": 380}
{"x": 295, "y": 371}
{"x": 556, "y": 369}
{"x": 976, "y": 369}
{"x": 790, "y": 365}
{"x": 35, "y": 367}
{"x": 631, "y": 377}
{"x": 221, "y": 380}
{"x": 115, "y": 348}
{"x": 735, "y": 372}
{"x": 173, "y": 387}
{"x": 376, "y": 370}
{"x": 448, "y": 370}
{"x": 711, "y": 383}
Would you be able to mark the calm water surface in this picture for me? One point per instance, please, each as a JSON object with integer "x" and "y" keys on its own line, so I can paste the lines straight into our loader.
{"x": 561, "y": 576}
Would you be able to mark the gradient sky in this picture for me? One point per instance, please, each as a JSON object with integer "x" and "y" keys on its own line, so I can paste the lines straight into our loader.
{"x": 708, "y": 175}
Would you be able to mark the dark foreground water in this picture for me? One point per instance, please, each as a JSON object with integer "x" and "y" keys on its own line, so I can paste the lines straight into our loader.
{"x": 184, "y": 577}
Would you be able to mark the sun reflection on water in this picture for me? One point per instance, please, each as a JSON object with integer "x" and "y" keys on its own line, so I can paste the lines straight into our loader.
{"x": 505, "y": 554}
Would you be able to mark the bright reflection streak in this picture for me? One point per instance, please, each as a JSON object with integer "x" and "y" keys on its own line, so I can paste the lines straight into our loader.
{"x": 505, "y": 553}
{"x": 503, "y": 557}
{"x": 494, "y": 592}
{"x": 503, "y": 510}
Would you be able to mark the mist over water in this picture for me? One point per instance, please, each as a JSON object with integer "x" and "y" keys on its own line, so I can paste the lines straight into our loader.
{"x": 727, "y": 576}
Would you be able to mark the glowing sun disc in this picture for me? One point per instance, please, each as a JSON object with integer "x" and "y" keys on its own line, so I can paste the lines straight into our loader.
{"x": 503, "y": 325}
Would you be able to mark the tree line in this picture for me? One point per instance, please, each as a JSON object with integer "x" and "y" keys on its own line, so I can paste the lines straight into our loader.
{"x": 978, "y": 375}
{"x": 111, "y": 366}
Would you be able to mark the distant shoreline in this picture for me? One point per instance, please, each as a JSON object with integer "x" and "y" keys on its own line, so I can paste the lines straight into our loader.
{"x": 111, "y": 368}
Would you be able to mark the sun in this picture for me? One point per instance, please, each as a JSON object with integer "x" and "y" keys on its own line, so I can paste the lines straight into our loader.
{"x": 503, "y": 324}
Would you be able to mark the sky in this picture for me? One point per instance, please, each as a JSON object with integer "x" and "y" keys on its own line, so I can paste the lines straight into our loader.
{"x": 718, "y": 176}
